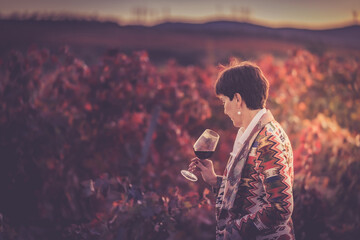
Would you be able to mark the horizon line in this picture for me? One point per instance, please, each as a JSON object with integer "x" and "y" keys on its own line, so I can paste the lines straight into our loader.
{"x": 36, "y": 16}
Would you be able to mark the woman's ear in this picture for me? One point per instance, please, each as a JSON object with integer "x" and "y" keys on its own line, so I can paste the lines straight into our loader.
{"x": 238, "y": 98}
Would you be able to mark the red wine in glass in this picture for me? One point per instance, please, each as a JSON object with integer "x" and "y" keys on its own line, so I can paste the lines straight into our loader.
{"x": 204, "y": 148}
{"x": 204, "y": 154}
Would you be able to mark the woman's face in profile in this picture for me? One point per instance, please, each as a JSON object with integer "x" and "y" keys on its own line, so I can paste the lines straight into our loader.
{"x": 231, "y": 109}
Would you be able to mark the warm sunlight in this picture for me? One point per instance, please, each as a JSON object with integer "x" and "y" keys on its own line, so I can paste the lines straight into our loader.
{"x": 277, "y": 13}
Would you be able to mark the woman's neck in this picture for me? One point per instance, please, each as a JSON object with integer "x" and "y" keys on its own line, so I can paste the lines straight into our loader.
{"x": 248, "y": 116}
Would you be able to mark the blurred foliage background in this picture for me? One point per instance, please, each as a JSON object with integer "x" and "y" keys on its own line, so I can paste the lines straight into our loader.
{"x": 95, "y": 151}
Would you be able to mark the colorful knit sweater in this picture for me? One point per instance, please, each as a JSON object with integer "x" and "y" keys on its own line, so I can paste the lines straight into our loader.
{"x": 254, "y": 198}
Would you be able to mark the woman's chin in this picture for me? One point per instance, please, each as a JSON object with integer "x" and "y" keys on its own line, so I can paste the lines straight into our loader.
{"x": 236, "y": 124}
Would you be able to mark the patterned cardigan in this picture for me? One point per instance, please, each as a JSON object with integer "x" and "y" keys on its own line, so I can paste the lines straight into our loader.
{"x": 254, "y": 198}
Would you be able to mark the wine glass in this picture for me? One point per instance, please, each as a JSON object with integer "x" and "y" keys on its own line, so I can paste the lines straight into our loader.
{"x": 204, "y": 148}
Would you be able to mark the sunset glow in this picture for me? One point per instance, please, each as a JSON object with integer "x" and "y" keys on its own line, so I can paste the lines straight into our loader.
{"x": 276, "y": 13}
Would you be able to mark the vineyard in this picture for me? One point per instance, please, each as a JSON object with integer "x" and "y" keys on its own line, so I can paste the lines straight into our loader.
{"x": 95, "y": 152}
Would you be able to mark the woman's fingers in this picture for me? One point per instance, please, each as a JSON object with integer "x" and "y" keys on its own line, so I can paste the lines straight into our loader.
{"x": 199, "y": 165}
{"x": 193, "y": 166}
{"x": 193, "y": 163}
{"x": 194, "y": 169}
{"x": 205, "y": 167}
{"x": 204, "y": 164}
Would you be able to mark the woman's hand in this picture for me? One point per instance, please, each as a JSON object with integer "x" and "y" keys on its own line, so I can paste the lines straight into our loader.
{"x": 206, "y": 169}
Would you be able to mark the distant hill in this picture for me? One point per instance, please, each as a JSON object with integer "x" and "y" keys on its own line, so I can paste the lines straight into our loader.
{"x": 341, "y": 37}
{"x": 186, "y": 42}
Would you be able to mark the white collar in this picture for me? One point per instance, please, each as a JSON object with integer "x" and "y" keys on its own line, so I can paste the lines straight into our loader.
{"x": 243, "y": 135}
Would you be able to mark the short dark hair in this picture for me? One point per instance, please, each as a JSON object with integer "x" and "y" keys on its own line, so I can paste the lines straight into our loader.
{"x": 248, "y": 80}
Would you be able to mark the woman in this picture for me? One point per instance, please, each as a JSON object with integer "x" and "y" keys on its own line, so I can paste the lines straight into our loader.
{"x": 254, "y": 198}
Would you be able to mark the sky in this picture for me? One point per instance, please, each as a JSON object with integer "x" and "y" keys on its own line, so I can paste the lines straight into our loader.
{"x": 277, "y": 13}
